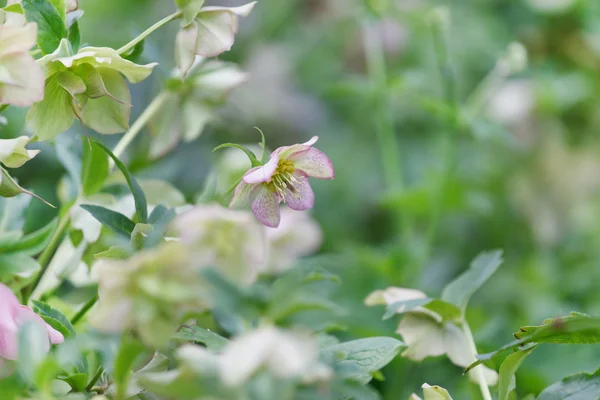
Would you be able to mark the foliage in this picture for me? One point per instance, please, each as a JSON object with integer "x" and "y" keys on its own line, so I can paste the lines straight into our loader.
{"x": 145, "y": 266}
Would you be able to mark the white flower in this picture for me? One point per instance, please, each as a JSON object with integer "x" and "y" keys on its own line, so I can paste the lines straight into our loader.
{"x": 427, "y": 334}
{"x": 297, "y": 235}
{"x": 284, "y": 354}
{"x": 21, "y": 79}
{"x": 13, "y": 153}
{"x": 513, "y": 102}
{"x": 227, "y": 239}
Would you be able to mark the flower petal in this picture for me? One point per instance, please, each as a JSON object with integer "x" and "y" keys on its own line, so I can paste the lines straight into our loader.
{"x": 241, "y": 194}
{"x": 286, "y": 151}
{"x": 265, "y": 206}
{"x": 314, "y": 163}
{"x": 264, "y": 173}
{"x": 25, "y": 314}
{"x": 8, "y": 325}
{"x": 302, "y": 198}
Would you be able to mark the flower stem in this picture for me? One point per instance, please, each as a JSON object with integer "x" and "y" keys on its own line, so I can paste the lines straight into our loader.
{"x": 81, "y": 313}
{"x": 90, "y": 386}
{"x": 149, "y": 31}
{"x": 448, "y": 138}
{"x": 46, "y": 256}
{"x": 388, "y": 144}
{"x": 139, "y": 123}
{"x": 483, "y": 386}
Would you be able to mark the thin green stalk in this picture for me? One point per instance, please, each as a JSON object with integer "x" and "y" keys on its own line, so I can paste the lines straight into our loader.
{"x": 483, "y": 386}
{"x": 81, "y": 313}
{"x": 137, "y": 126}
{"x": 46, "y": 256}
{"x": 149, "y": 31}
{"x": 386, "y": 136}
{"x": 90, "y": 386}
{"x": 449, "y": 138}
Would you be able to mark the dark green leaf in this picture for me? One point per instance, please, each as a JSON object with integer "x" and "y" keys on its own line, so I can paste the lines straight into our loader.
{"x": 480, "y": 270}
{"x": 141, "y": 206}
{"x": 128, "y": 353}
{"x": 78, "y": 381}
{"x": 134, "y": 54}
{"x": 111, "y": 219}
{"x": 364, "y": 355}
{"x": 75, "y": 36}
{"x": 45, "y": 310}
{"x": 31, "y": 244}
{"x": 580, "y": 386}
{"x": 94, "y": 169}
{"x": 199, "y": 335}
{"x": 574, "y": 329}
{"x": 51, "y": 26}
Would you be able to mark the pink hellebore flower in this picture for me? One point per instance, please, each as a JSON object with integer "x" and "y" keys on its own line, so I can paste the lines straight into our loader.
{"x": 12, "y": 316}
{"x": 284, "y": 178}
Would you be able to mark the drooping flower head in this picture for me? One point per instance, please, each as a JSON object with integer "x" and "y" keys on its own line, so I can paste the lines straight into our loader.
{"x": 12, "y": 316}
{"x": 21, "y": 79}
{"x": 284, "y": 178}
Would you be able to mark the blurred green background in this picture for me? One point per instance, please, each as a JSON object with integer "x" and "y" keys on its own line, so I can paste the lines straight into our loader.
{"x": 522, "y": 175}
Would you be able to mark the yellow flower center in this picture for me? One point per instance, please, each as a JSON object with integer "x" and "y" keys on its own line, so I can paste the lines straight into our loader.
{"x": 283, "y": 179}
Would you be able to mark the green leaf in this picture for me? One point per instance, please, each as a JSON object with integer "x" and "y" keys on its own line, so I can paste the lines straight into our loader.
{"x": 54, "y": 114}
{"x": 134, "y": 54}
{"x": 114, "y": 253}
{"x": 506, "y": 380}
{"x": 448, "y": 311}
{"x": 128, "y": 353}
{"x": 75, "y": 36}
{"x": 480, "y": 270}
{"x": 141, "y": 206}
{"x": 33, "y": 243}
{"x": 94, "y": 169}
{"x": 109, "y": 114}
{"x": 51, "y": 26}
{"x": 17, "y": 264}
{"x": 575, "y": 329}
{"x": 10, "y": 188}
{"x": 45, "y": 310}
{"x": 196, "y": 334}
{"x": 367, "y": 355}
{"x": 60, "y": 7}
{"x": 580, "y": 386}
{"x": 117, "y": 222}
{"x": 78, "y": 381}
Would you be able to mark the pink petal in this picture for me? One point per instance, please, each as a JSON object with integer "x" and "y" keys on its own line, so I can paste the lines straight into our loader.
{"x": 302, "y": 198}
{"x": 8, "y": 326}
{"x": 25, "y": 314}
{"x": 265, "y": 206}
{"x": 264, "y": 173}
{"x": 314, "y": 163}
{"x": 286, "y": 151}
{"x": 241, "y": 194}
{"x": 8, "y": 339}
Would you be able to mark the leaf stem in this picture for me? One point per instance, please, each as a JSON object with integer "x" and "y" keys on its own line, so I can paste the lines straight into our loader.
{"x": 139, "y": 123}
{"x": 86, "y": 307}
{"x": 90, "y": 386}
{"x": 46, "y": 256}
{"x": 384, "y": 123}
{"x": 483, "y": 386}
{"x": 149, "y": 31}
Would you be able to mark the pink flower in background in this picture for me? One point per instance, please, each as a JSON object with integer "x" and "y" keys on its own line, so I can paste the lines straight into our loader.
{"x": 284, "y": 178}
{"x": 12, "y": 316}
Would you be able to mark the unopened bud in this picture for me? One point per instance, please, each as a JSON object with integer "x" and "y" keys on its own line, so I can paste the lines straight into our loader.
{"x": 516, "y": 57}
{"x": 440, "y": 18}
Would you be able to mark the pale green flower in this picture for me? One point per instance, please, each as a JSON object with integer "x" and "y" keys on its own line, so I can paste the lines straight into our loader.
{"x": 21, "y": 79}
{"x": 13, "y": 153}
{"x": 89, "y": 85}
{"x": 207, "y": 32}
